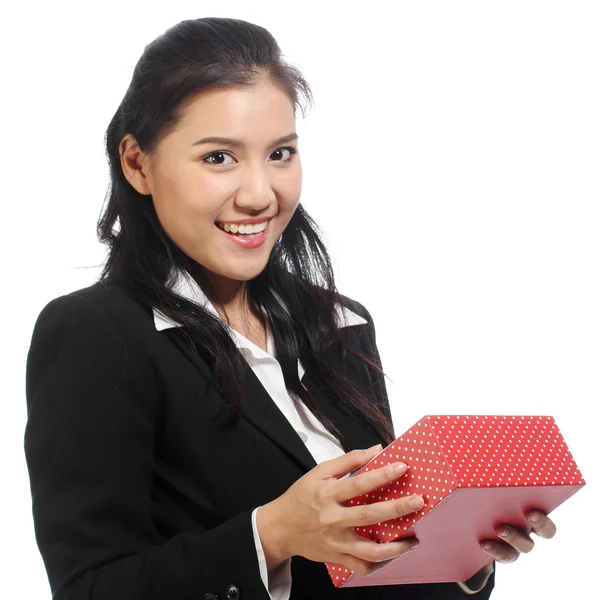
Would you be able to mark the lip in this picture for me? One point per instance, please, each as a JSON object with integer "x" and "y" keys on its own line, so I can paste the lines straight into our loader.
{"x": 254, "y": 242}
{"x": 251, "y": 221}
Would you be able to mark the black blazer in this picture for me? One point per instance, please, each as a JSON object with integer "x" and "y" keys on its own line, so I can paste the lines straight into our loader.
{"x": 139, "y": 490}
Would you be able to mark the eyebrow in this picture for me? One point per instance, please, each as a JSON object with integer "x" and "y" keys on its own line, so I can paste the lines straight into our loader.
{"x": 238, "y": 143}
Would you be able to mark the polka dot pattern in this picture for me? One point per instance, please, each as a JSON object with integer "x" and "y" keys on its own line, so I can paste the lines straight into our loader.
{"x": 486, "y": 451}
{"x": 429, "y": 474}
{"x": 445, "y": 453}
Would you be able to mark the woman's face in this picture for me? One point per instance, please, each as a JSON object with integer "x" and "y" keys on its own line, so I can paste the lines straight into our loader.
{"x": 194, "y": 183}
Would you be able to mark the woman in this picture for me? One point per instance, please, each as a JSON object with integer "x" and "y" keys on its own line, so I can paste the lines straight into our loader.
{"x": 169, "y": 451}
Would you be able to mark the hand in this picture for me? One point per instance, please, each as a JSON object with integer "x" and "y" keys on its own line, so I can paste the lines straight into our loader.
{"x": 514, "y": 541}
{"x": 310, "y": 519}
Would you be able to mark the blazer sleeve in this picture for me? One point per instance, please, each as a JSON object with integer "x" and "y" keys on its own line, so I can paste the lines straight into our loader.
{"x": 89, "y": 448}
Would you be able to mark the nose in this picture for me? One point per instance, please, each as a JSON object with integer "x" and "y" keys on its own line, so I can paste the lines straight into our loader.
{"x": 256, "y": 192}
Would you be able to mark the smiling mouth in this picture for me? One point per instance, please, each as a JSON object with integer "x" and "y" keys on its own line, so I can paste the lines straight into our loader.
{"x": 253, "y": 239}
{"x": 244, "y": 229}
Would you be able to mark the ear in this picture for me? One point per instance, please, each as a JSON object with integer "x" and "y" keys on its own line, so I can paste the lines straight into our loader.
{"x": 134, "y": 164}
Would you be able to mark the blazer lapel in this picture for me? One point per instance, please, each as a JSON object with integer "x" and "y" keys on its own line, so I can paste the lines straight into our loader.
{"x": 260, "y": 410}
{"x": 264, "y": 414}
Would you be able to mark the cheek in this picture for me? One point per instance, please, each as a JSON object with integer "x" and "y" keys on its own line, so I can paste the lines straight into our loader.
{"x": 296, "y": 181}
{"x": 286, "y": 212}
{"x": 187, "y": 219}
{"x": 195, "y": 200}
{"x": 291, "y": 193}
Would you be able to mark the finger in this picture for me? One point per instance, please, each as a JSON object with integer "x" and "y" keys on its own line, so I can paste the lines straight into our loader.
{"x": 378, "y": 512}
{"x": 380, "y": 565}
{"x": 542, "y": 524}
{"x": 362, "y": 567}
{"x": 365, "y": 482}
{"x": 376, "y": 552}
{"x": 368, "y": 566}
{"x": 503, "y": 553}
{"x": 517, "y": 539}
{"x": 344, "y": 464}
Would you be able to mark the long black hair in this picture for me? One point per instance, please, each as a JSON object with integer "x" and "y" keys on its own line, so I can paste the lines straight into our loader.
{"x": 296, "y": 290}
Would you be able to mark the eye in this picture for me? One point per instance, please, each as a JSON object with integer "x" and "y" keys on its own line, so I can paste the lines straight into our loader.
{"x": 222, "y": 153}
{"x": 215, "y": 154}
{"x": 291, "y": 150}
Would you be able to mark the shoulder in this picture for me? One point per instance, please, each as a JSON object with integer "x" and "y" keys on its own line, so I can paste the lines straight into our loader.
{"x": 86, "y": 342}
{"x": 99, "y": 301}
{"x": 356, "y": 307}
{"x": 98, "y": 325}
{"x": 101, "y": 315}
{"x": 346, "y": 302}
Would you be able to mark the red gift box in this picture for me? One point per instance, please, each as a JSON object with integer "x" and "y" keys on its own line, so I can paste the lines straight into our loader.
{"x": 474, "y": 474}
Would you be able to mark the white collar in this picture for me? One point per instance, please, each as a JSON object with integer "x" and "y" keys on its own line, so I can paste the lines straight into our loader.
{"x": 186, "y": 286}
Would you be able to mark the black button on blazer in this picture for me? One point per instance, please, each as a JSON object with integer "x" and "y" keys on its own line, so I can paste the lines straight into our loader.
{"x": 139, "y": 492}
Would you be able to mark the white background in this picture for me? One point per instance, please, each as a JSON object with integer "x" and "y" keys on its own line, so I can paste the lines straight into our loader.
{"x": 452, "y": 158}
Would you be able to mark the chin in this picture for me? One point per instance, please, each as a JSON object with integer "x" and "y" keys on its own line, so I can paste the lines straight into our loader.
{"x": 249, "y": 276}
{"x": 246, "y": 274}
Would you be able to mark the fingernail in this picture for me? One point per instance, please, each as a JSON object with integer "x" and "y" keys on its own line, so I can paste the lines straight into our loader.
{"x": 378, "y": 447}
{"x": 399, "y": 468}
{"x": 534, "y": 518}
{"x": 503, "y": 531}
{"x": 487, "y": 546}
{"x": 416, "y": 502}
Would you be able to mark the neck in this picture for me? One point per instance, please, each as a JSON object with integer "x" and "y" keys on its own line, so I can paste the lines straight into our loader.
{"x": 229, "y": 296}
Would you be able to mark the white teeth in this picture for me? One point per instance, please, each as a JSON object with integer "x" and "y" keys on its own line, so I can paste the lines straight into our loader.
{"x": 258, "y": 227}
{"x": 247, "y": 229}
